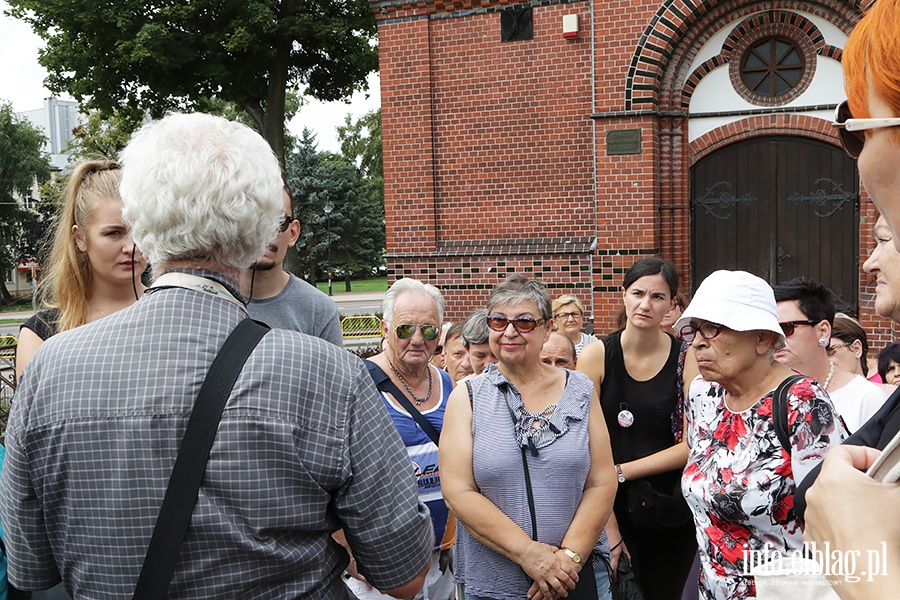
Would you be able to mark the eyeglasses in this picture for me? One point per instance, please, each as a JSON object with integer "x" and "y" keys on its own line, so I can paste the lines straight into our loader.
{"x": 520, "y": 324}
{"x": 438, "y": 350}
{"x": 286, "y": 221}
{"x": 788, "y": 326}
{"x": 406, "y": 330}
{"x": 706, "y": 329}
{"x": 565, "y": 316}
{"x": 852, "y": 131}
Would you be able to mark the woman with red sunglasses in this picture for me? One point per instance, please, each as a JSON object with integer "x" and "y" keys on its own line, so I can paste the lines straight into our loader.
{"x": 844, "y": 507}
{"x": 525, "y": 463}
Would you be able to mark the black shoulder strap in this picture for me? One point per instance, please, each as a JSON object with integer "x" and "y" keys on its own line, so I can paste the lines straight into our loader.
{"x": 780, "y": 410}
{"x": 184, "y": 483}
{"x": 531, "y": 509}
{"x": 384, "y": 383}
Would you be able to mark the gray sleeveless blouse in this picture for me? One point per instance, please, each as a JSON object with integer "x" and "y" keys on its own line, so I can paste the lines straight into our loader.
{"x": 558, "y": 475}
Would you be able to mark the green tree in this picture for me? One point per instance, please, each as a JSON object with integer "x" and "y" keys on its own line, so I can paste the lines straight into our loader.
{"x": 352, "y": 233}
{"x": 23, "y": 163}
{"x": 134, "y": 55}
{"x": 100, "y": 138}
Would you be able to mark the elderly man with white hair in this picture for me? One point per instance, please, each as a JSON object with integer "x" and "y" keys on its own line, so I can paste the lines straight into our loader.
{"x": 415, "y": 393}
{"x": 303, "y": 448}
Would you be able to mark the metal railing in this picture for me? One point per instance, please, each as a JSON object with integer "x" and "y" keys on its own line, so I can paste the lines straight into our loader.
{"x": 356, "y": 327}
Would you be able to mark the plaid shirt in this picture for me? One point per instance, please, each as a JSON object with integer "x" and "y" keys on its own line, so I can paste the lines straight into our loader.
{"x": 304, "y": 447}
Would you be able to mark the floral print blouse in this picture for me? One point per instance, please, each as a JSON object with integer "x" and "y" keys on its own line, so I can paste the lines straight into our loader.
{"x": 740, "y": 482}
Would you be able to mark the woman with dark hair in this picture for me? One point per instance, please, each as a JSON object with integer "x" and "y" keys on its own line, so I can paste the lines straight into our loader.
{"x": 889, "y": 364}
{"x": 641, "y": 374}
{"x": 526, "y": 435}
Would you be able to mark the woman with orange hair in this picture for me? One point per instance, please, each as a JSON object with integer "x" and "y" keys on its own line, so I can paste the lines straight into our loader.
{"x": 847, "y": 509}
{"x": 93, "y": 268}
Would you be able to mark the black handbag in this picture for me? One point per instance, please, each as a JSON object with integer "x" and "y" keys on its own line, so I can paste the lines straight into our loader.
{"x": 650, "y": 510}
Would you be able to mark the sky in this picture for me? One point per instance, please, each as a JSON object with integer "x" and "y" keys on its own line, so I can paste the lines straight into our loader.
{"x": 21, "y": 83}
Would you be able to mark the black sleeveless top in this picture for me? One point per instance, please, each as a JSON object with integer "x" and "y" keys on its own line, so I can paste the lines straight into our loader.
{"x": 652, "y": 403}
{"x": 44, "y": 323}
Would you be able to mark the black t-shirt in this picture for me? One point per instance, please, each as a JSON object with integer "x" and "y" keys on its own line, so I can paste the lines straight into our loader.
{"x": 44, "y": 323}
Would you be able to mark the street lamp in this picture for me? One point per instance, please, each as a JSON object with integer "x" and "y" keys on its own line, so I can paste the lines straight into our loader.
{"x": 328, "y": 208}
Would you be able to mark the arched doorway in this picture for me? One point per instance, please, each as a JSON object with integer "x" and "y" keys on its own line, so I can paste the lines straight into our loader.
{"x": 779, "y": 207}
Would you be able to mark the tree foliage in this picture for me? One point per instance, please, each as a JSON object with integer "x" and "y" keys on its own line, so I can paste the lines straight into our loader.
{"x": 134, "y": 55}
{"x": 350, "y": 240}
{"x": 99, "y": 138}
{"x": 22, "y": 163}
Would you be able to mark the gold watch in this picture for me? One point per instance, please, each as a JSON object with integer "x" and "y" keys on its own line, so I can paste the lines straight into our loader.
{"x": 576, "y": 558}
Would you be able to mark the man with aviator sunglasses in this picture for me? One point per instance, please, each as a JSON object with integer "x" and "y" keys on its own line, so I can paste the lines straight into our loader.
{"x": 415, "y": 394}
{"x": 284, "y": 301}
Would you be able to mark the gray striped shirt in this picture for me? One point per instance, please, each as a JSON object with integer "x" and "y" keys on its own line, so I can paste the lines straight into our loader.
{"x": 558, "y": 475}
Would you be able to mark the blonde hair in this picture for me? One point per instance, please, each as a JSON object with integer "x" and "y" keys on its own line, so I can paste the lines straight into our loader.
{"x": 565, "y": 300}
{"x": 68, "y": 277}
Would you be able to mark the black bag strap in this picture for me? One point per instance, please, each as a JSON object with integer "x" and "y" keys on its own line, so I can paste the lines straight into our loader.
{"x": 184, "y": 483}
{"x": 780, "y": 410}
{"x": 531, "y": 509}
{"x": 384, "y": 383}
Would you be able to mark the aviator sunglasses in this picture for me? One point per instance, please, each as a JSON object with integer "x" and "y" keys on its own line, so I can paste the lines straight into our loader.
{"x": 521, "y": 324}
{"x": 852, "y": 131}
{"x": 406, "y": 330}
{"x": 286, "y": 221}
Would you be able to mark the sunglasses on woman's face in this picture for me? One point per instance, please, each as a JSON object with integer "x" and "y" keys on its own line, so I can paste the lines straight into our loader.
{"x": 521, "y": 324}
{"x": 286, "y": 221}
{"x": 405, "y": 331}
{"x": 853, "y": 131}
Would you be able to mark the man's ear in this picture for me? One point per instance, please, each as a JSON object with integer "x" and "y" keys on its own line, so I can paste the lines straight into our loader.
{"x": 294, "y": 231}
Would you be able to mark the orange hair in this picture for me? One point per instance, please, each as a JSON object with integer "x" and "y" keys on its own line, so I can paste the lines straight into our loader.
{"x": 873, "y": 51}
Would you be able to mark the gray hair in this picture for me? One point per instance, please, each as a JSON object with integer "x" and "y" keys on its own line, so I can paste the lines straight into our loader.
{"x": 476, "y": 331}
{"x": 407, "y": 285}
{"x": 517, "y": 289}
{"x": 197, "y": 187}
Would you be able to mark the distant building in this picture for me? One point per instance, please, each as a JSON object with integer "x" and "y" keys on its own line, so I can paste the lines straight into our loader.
{"x": 57, "y": 118}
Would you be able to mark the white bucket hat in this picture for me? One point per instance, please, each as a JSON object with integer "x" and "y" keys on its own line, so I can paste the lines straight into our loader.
{"x": 736, "y": 299}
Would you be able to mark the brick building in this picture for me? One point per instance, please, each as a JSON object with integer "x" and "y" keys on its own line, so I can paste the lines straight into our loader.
{"x": 566, "y": 139}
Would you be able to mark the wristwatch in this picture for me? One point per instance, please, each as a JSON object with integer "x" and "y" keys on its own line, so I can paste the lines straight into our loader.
{"x": 576, "y": 558}
{"x": 621, "y": 475}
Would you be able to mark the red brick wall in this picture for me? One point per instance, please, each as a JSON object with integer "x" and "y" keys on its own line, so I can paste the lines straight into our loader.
{"x": 490, "y": 149}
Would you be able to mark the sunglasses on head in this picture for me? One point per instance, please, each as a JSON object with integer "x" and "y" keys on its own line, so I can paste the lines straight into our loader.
{"x": 852, "y": 131}
{"x": 788, "y": 326}
{"x": 520, "y": 324}
{"x": 406, "y": 330}
{"x": 286, "y": 221}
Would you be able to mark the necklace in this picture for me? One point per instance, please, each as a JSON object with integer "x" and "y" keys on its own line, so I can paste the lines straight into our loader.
{"x": 830, "y": 374}
{"x": 416, "y": 399}
{"x": 97, "y": 309}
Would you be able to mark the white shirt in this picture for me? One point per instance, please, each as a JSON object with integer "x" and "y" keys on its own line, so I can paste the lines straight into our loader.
{"x": 857, "y": 401}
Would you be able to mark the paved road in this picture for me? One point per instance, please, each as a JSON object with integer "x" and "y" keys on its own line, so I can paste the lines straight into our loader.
{"x": 349, "y": 303}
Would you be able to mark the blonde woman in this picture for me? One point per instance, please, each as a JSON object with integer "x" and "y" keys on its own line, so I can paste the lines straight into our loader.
{"x": 93, "y": 268}
{"x": 568, "y": 315}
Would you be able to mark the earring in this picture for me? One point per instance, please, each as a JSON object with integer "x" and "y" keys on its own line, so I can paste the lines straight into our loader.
{"x": 822, "y": 342}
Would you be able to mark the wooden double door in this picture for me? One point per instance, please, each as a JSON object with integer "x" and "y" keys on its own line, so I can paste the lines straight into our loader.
{"x": 778, "y": 207}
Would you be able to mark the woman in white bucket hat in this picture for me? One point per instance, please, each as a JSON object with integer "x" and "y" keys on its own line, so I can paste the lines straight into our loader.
{"x": 740, "y": 479}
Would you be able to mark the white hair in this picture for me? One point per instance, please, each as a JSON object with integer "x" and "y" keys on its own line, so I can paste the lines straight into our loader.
{"x": 200, "y": 187}
{"x": 402, "y": 286}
